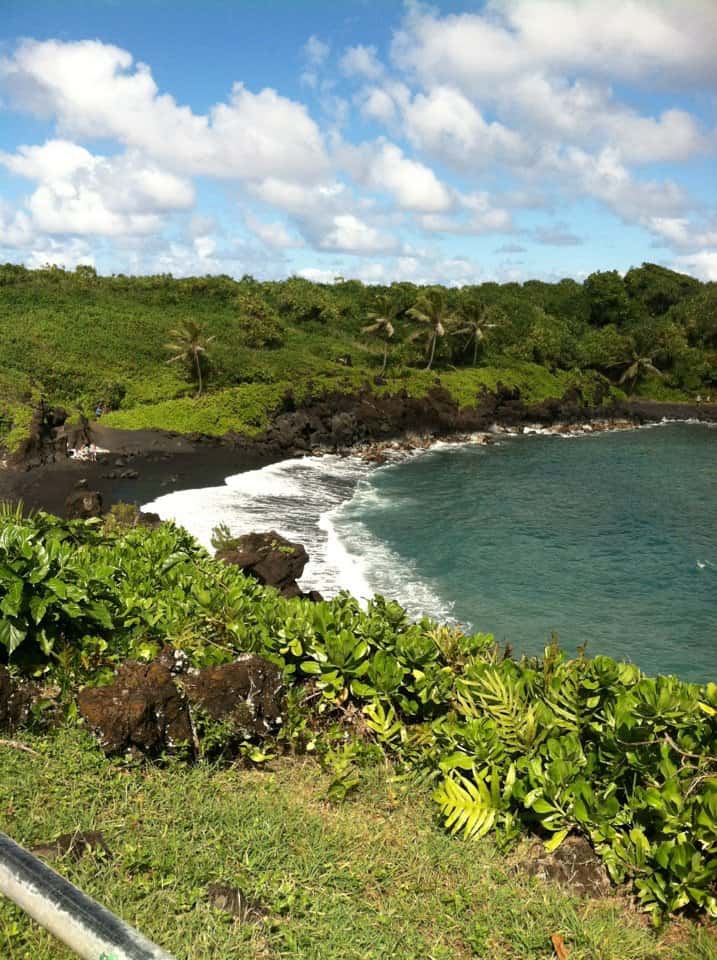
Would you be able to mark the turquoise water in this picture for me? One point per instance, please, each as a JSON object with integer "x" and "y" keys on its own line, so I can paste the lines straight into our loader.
{"x": 609, "y": 540}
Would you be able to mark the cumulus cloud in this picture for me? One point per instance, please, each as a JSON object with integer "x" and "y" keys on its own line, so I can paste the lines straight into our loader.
{"x": 447, "y": 124}
{"x": 95, "y": 91}
{"x": 80, "y": 193}
{"x": 605, "y": 177}
{"x": 383, "y": 166}
{"x": 475, "y": 214}
{"x": 702, "y": 264}
{"x": 315, "y": 54}
{"x": 681, "y": 233}
{"x": 485, "y": 114}
{"x": 274, "y": 234}
{"x": 636, "y": 40}
{"x": 361, "y": 61}
{"x": 350, "y": 234}
{"x": 523, "y": 79}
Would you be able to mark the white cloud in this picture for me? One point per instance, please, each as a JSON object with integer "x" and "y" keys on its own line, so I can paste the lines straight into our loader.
{"x": 317, "y": 274}
{"x": 605, "y": 177}
{"x": 377, "y": 104}
{"x": 326, "y": 215}
{"x": 205, "y": 247}
{"x": 80, "y": 193}
{"x": 702, "y": 264}
{"x": 352, "y": 235}
{"x": 93, "y": 92}
{"x": 445, "y": 123}
{"x": 584, "y": 113}
{"x": 384, "y": 167}
{"x": 361, "y": 61}
{"x": 476, "y": 216}
{"x": 67, "y": 254}
{"x": 315, "y": 54}
{"x": 316, "y": 51}
{"x": 631, "y": 39}
{"x": 681, "y": 233}
{"x": 16, "y": 230}
{"x": 273, "y": 234}
{"x": 541, "y": 72}
{"x": 299, "y": 199}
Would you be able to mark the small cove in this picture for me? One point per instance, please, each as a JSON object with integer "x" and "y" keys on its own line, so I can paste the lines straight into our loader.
{"x": 607, "y": 540}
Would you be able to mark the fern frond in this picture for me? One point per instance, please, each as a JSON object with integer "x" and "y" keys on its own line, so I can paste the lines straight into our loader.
{"x": 501, "y": 698}
{"x": 467, "y": 805}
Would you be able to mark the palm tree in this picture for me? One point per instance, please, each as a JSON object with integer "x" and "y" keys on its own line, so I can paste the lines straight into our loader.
{"x": 430, "y": 309}
{"x": 382, "y": 327}
{"x": 637, "y": 367}
{"x": 189, "y": 345}
{"x": 473, "y": 318}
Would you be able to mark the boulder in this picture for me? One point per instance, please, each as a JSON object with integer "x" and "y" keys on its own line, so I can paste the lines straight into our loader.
{"x": 81, "y": 504}
{"x": 269, "y": 558}
{"x": 143, "y": 712}
{"x": 151, "y": 708}
{"x": 246, "y": 695}
{"x": 46, "y": 437}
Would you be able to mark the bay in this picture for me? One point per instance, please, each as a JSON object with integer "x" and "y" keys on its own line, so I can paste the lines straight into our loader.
{"x": 608, "y": 541}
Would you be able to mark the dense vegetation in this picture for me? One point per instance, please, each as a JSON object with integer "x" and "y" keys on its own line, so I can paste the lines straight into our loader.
{"x": 550, "y": 745}
{"x": 79, "y": 339}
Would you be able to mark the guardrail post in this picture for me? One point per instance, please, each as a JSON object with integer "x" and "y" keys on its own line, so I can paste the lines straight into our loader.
{"x": 88, "y": 928}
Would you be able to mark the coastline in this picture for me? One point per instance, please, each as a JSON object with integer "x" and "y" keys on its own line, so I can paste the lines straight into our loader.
{"x": 140, "y": 466}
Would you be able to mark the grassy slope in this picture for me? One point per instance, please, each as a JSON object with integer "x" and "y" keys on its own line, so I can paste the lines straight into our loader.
{"x": 373, "y": 878}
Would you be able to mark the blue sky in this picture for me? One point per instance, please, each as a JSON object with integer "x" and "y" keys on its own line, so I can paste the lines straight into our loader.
{"x": 455, "y": 142}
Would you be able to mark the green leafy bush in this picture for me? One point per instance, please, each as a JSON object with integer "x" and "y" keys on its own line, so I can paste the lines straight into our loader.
{"x": 548, "y": 744}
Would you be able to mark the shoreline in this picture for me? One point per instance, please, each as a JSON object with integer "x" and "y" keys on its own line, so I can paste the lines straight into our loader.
{"x": 141, "y": 466}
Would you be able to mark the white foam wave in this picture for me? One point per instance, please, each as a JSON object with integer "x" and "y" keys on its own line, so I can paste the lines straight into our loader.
{"x": 368, "y": 566}
{"x": 303, "y": 501}
{"x": 290, "y": 497}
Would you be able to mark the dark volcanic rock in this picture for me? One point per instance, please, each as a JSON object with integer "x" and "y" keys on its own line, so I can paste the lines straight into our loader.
{"x": 270, "y": 559}
{"x": 574, "y": 864}
{"x": 234, "y": 901}
{"x": 74, "y": 845}
{"x": 150, "y": 709}
{"x": 248, "y": 692}
{"x": 142, "y": 711}
{"x": 46, "y": 439}
{"x": 82, "y": 504}
{"x": 16, "y": 700}
{"x": 145, "y": 518}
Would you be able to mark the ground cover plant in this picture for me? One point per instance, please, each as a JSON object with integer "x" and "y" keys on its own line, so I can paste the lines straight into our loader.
{"x": 82, "y": 340}
{"x": 546, "y": 745}
{"x": 371, "y": 878}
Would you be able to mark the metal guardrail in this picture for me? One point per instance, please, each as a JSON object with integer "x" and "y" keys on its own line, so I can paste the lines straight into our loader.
{"x": 88, "y": 928}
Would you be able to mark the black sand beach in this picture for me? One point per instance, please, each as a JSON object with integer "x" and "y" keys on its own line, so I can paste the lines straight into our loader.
{"x": 166, "y": 462}
{"x": 162, "y": 462}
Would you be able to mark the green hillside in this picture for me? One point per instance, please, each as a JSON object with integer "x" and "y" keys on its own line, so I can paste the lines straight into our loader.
{"x": 80, "y": 340}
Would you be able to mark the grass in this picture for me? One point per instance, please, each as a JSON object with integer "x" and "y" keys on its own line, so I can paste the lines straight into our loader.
{"x": 373, "y": 878}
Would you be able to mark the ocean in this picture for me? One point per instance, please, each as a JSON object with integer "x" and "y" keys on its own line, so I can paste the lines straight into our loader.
{"x": 607, "y": 540}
